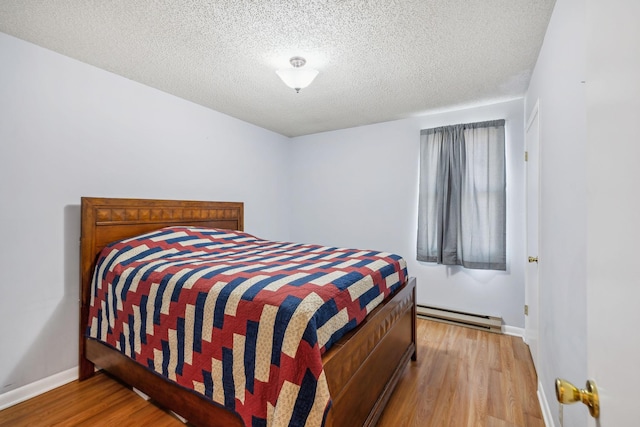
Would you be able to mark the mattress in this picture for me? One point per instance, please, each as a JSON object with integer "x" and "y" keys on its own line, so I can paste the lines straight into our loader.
{"x": 241, "y": 320}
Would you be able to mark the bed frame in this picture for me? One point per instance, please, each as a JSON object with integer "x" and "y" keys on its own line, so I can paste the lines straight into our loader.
{"x": 362, "y": 369}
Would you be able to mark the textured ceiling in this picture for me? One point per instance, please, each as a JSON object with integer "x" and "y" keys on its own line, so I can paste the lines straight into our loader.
{"x": 379, "y": 60}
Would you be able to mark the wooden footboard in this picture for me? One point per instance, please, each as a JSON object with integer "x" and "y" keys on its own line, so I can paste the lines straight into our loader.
{"x": 364, "y": 367}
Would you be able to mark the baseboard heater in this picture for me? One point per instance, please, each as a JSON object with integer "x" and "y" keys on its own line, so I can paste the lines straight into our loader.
{"x": 453, "y": 317}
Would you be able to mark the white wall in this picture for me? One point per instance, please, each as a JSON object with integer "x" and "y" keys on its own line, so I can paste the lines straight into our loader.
{"x": 358, "y": 187}
{"x": 557, "y": 82}
{"x": 69, "y": 130}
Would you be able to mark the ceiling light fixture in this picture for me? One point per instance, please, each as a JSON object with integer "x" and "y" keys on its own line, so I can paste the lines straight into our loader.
{"x": 297, "y": 77}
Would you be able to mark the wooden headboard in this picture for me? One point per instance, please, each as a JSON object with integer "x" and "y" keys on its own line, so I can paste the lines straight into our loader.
{"x": 105, "y": 220}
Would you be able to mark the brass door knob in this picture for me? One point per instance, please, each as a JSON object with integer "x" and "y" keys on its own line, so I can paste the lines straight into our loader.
{"x": 568, "y": 393}
{"x": 533, "y": 259}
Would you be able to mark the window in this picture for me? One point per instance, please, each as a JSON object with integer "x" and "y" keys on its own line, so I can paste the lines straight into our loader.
{"x": 462, "y": 201}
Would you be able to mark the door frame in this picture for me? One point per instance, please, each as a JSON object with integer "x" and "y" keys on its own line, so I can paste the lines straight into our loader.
{"x": 534, "y": 118}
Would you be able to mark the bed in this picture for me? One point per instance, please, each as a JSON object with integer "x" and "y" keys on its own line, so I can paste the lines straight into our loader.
{"x": 382, "y": 344}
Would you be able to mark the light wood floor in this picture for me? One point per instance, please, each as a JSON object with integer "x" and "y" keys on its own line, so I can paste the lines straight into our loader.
{"x": 463, "y": 377}
{"x": 466, "y": 378}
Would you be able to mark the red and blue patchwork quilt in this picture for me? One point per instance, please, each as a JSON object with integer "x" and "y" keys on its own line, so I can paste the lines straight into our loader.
{"x": 240, "y": 320}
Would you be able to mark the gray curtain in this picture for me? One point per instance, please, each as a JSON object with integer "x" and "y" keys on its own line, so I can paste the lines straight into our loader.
{"x": 462, "y": 201}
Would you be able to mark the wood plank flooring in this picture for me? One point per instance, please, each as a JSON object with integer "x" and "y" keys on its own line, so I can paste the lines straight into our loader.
{"x": 463, "y": 377}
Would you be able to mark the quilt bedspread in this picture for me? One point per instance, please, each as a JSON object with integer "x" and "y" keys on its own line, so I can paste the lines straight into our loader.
{"x": 240, "y": 320}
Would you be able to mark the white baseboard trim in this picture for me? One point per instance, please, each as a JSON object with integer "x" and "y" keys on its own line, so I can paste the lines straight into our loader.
{"x": 28, "y": 391}
{"x": 544, "y": 406}
{"x": 512, "y": 330}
